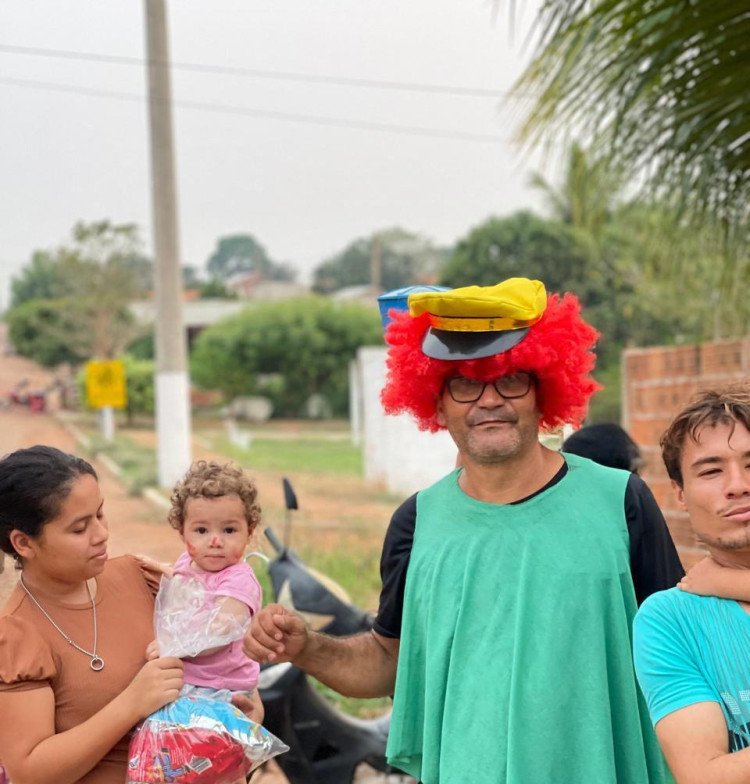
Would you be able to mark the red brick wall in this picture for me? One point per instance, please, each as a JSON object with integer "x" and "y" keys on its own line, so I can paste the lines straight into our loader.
{"x": 656, "y": 383}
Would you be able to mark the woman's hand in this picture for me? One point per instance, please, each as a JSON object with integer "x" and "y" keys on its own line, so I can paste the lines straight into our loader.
{"x": 152, "y": 652}
{"x": 250, "y": 704}
{"x": 157, "y": 683}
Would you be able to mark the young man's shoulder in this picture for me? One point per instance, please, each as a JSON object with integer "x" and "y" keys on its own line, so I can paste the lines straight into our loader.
{"x": 668, "y": 606}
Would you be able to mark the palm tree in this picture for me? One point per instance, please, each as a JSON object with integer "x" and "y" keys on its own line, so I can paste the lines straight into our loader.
{"x": 585, "y": 198}
{"x": 662, "y": 87}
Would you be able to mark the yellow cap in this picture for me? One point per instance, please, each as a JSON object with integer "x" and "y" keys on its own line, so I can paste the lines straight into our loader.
{"x": 513, "y": 304}
{"x": 479, "y": 321}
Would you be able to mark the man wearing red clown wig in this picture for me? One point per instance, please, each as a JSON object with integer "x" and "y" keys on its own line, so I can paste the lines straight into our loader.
{"x": 510, "y": 585}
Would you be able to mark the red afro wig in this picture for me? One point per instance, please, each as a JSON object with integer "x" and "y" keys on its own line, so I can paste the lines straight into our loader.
{"x": 558, "y": 350}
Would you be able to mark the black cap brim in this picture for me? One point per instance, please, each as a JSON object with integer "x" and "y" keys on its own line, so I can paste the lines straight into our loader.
{"x": 448, "y": 344}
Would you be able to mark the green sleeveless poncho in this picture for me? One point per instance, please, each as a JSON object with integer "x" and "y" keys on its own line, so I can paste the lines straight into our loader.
{"x": 515, "y": 660}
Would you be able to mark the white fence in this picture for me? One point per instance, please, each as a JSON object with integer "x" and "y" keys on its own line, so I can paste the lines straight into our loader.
{"x": 396, "y": 452}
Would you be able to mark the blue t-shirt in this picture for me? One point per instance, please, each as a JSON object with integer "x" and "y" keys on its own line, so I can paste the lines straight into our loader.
{"x": 691, "y": 649}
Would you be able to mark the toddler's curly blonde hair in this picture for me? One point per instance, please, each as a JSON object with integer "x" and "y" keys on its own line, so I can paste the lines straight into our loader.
{"x": 209, "y": 479}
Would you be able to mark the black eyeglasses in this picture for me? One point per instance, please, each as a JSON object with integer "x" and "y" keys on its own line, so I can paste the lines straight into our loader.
{"x": 469, "y": 390}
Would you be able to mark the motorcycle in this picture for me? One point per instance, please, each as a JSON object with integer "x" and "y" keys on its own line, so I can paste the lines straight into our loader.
{"x": 326, "y": 746}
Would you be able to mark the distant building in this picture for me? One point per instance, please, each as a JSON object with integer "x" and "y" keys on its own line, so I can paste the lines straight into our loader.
{"x": 197, "y": 314}
{"x": 363, "y": 294}
{"x": 253, "y": 286}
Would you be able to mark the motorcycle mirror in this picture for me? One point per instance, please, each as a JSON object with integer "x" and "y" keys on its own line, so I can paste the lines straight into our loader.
{"x": 290, "y": 501}
{"x": 290, "y": 497}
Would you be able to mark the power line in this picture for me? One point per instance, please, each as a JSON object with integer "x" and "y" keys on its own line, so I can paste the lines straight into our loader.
{"x": 290, "y": 76}
{"x": 309, "y": 119}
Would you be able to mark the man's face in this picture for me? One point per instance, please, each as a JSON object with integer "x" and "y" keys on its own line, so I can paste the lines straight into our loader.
{"x": 493, "y": 428}
{"x": 716, "y": 486}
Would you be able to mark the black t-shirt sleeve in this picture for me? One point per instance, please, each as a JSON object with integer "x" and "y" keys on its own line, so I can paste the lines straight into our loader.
{"x": 654, "y": 563}
{"x": 394, "y": 562}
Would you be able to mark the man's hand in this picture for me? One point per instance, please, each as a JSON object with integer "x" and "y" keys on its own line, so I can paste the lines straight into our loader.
{"x": 708, "y": 578}
{"x": 276, "y": 635}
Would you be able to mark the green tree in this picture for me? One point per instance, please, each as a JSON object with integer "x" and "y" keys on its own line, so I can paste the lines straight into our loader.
{"x": 662, "y": 88}
{"x": 42, "y": 278}
{"x": 286, "y": 351}
{"x": 139, "y": 378}
{"x": 190, "y": 276}
{"x": 521, "y": 245}
{"x": 215, "y": 289}
{"x": 40, "y": 329}
{"x": 143, "y": 346}
{"x": 95, "y": 277}
{"x": 405, "y": 259}
{"x": 243, "y": 253}
{"x": 585, "y": 199}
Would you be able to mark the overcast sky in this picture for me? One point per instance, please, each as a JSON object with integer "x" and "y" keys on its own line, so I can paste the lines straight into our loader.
{"x": 303, "y": 188}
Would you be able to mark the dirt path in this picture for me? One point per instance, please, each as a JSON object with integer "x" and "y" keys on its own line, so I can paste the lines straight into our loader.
{"x": 135, "y": 524}
{"x": 138, "y": 525}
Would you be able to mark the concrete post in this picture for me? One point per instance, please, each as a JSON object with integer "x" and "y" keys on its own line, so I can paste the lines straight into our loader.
{"x": 172, "y": 384}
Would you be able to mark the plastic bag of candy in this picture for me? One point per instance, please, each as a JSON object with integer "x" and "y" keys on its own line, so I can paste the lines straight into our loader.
{"x": 200, "y": 738}
{"x": 188, "y": 620}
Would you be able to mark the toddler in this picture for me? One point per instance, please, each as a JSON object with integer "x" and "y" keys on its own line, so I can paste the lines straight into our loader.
{"x": 201, "y": 615}
{"x": 214, "y": 508}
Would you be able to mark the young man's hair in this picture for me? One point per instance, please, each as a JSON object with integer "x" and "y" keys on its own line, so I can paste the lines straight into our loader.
{"x": 209, "y": 479}
{"x": 722, "y": 406}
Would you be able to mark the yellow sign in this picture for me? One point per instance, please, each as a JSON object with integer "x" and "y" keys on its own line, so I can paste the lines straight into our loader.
{"x": 105, "y": 383}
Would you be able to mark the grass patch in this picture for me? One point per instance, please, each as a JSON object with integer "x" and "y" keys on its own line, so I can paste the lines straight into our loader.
{"x": 294, "y": 455}
{"x": 354, "y": 706}
{"x": 357, "y": 570}
{"x": 137, "y": 463}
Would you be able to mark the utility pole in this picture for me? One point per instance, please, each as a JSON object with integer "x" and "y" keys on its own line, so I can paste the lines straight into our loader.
{"x": 376, "y": 264}
{"x": 172, "y": 383}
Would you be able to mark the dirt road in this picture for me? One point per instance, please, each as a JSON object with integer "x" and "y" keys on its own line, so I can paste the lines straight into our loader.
{"x": 136, "y": 525}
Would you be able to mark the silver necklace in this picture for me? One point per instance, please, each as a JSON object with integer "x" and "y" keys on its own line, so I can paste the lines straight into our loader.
{"x": 97, "y": 663}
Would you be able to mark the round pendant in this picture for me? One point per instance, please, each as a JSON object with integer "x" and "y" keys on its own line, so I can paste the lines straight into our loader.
{"x": 97, "y": 663}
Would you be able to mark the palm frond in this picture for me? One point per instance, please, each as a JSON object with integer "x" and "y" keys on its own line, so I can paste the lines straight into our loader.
{"x": 661, "y": 87}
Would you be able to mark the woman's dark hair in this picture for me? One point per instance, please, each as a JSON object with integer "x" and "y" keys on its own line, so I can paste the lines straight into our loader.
{"x": 605, "y": 443}
{"x": 34, "y": 483}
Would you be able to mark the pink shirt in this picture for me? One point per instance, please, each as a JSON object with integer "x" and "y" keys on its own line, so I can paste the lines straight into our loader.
{"x": 228, "y": 668}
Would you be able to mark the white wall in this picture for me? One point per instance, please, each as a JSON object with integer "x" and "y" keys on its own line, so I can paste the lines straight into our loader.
{"x": 396, "y": 452}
